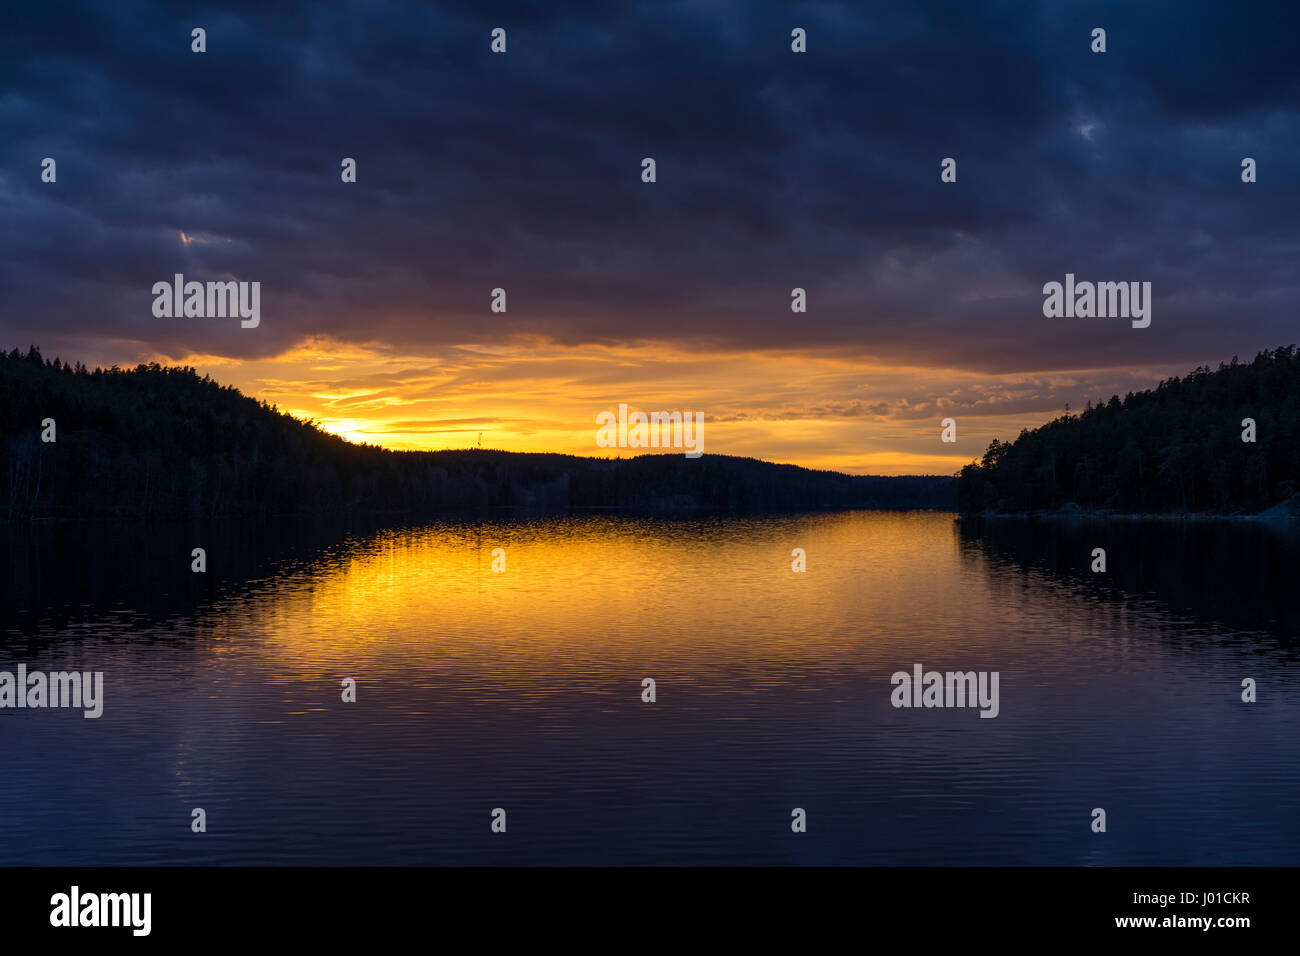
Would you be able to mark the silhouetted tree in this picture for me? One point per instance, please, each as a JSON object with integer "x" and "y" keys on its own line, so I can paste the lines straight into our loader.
{"x": 1174, "y": 448}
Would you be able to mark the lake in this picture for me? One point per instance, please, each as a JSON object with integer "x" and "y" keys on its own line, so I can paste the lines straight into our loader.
{"x": 522, "y": 690}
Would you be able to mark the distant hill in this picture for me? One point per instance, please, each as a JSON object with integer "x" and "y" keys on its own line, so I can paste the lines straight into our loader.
{"x": 1176, "y": 448}
{"x": 165, "y": 442}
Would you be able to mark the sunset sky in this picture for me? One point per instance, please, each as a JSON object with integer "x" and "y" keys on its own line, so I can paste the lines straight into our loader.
{"x": 522, "y": 171}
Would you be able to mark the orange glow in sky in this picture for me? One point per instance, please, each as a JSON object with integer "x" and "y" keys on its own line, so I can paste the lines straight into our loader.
{"x": 818, "y": 410}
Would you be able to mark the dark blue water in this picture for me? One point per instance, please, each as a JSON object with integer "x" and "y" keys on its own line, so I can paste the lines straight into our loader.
{"x": 521, "y": 690}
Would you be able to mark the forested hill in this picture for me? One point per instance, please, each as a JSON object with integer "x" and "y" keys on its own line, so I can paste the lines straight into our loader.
{"x": 155, "y": 441}
{"x": 1175, "y": 448}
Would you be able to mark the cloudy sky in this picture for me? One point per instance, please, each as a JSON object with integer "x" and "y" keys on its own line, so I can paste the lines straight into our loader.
{"x": 522, "y": 171}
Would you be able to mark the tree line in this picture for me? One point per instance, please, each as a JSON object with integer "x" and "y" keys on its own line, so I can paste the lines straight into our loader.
{"x": 1179, "y": 447}
{"x": 155, "y": 441}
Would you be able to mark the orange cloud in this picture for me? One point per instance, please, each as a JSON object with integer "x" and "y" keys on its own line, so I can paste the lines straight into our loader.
{"x": 816, "y": 409}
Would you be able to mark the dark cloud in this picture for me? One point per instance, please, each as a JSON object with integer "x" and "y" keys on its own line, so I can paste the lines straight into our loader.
{"x": 775, "y": 170}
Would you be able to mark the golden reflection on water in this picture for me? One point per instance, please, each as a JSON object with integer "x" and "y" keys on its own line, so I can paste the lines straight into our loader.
{"x": 588, "y": 607}
{"x": 479, "y": 689}
{"x": 580, "y": 591}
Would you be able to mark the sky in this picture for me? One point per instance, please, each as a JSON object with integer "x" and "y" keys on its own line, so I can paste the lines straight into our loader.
{"x": 522, "y": 170}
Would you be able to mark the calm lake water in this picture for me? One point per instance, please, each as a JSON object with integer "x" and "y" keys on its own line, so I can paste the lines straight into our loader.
{"x": 522, "y": 690}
